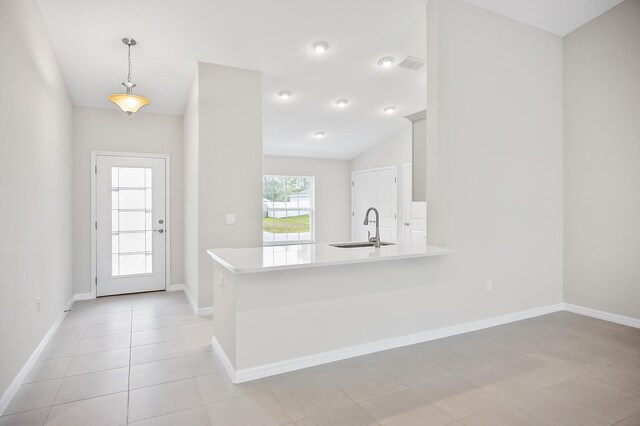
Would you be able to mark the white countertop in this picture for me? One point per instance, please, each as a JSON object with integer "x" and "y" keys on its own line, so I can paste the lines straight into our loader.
{"x": 278, "y": 258}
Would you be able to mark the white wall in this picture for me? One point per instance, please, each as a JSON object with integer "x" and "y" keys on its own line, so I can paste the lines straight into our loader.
{"x": 191, "y": 169}
{"x": 97, "y": 129}
{"x": 35, "y": 190}
{"x": 227, "y": 152}
{"x": 394, "y": 151}
{"x": 332, "y": 192}
{"x": 602, "y": 162}
{"x": 498, "y": 115}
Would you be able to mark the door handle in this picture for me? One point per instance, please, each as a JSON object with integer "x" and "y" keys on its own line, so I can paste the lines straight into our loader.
{"x": 158, "y": 230}
{"x": 406, "y": 224}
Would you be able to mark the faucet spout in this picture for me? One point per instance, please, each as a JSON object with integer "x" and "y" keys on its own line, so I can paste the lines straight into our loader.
{"x": 376, "y": 239}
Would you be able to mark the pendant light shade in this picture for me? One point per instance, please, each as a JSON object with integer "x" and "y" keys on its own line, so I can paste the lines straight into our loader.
{"x": 128, "y": 102}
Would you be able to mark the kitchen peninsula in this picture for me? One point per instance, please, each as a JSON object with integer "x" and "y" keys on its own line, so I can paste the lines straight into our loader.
{"x": 282, "y": 308}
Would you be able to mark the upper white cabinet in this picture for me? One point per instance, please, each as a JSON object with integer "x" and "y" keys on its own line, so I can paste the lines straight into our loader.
{"x": 419, "y": 157}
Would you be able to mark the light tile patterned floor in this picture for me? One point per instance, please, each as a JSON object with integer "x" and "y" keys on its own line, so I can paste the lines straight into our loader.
{"x": 147, "y": 360}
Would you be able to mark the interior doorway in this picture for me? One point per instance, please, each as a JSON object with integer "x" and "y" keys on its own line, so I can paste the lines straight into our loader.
{"x": 375, "y": 188}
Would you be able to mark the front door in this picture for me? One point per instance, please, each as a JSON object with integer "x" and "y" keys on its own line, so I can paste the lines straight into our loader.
{"x": 130, "y": 224}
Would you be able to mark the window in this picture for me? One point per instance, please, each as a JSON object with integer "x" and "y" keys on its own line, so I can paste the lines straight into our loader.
{"x": 288, "y": 206}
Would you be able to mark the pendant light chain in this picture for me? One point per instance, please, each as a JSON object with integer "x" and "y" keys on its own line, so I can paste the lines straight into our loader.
{"x": 129, "y": 75}
{"x": 128, "y": 102}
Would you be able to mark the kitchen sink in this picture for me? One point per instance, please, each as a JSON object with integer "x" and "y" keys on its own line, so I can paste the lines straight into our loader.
{"x": 359, "y": 244}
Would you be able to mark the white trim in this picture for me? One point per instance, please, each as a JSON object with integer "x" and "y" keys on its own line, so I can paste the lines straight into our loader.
{"x": 417, "y": 116}
{"x": 607, "y": 316}
{"x": 222, "y": 356}
{"x": 192, "y": 301}
{"x": 26, "y": 368}
{"x": 376, "y": 169}
{"x": 94, "y": 214}
{"x": 205, "y": 312}
{"x": 200, "y": 312}
{"x": 267, "y": 370}
{"x": 84, "y": 296}
{"x": 176, "y": 287}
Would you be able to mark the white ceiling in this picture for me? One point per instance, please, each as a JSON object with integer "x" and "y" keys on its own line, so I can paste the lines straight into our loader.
{"x": 274, "y": 36}
{"x": 556, "y": 16}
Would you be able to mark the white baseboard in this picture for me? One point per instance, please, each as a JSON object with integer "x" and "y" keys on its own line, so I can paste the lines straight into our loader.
{"x": 245, "y": 375}
{"x": 26, "y": 368}
{"x": 201, "y": 312}
{"x": 192, "y": 301}
{"x": 222, "y": 356}
{"x": 205, "y": 312}
{"x": 175, "y": 287}
{"x": 607, "y": 316}
{"x": 83, "y": 296}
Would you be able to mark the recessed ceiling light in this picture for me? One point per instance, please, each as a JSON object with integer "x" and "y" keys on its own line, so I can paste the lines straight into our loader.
{"x": 285, "y": 94}
{"x": 320, "y": 47}
{"x": 342, "y": 103}
{"x": 319, "y": 135}
{"x": 390, "y": 109}
{"x": 386, "y": 62}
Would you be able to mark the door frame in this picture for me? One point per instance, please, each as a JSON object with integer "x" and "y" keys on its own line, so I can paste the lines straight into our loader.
{"x": 94, "y": 199}
{"x": 374, "y": 169}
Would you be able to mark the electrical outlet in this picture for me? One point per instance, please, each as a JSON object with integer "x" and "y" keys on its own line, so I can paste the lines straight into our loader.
{"x": 489, "y": 285}
{"x": 38, "y": 304}
{"x": 230, "y": 218}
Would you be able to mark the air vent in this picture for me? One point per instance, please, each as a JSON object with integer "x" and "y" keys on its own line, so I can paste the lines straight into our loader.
{"x": 411, "y": 63}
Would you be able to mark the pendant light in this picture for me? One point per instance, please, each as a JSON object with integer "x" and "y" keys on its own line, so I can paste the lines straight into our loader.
{"x": 128, "y": 102}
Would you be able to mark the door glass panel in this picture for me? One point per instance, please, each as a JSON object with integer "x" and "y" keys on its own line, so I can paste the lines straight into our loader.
{"x": 131, "y": 199}
{"x": 131, "y": 264}
{"x": 131, "y": 177}
{"x": 132, "y": 221}
{"x": 134, "y": 242}
{"x": 131, "y": 242}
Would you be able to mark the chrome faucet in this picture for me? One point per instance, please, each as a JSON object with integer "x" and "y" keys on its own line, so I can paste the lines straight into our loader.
{"x": 375, "y": 240}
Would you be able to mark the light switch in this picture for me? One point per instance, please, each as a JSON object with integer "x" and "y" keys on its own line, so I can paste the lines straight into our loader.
{"x": 230, "y": 218}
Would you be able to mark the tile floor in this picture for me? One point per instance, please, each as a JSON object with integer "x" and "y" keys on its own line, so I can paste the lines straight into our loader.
{"x": 147, "y": 360}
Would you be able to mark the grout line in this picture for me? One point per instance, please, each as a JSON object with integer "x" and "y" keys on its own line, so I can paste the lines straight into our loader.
{"x": 184, "y": 410}
{"x": 61, "y": 380}
{"x": 88, "y": 398}
{"x": 171, "y": 357}
{"x": 273, "y": 394}
{"x": 94, "y": 372}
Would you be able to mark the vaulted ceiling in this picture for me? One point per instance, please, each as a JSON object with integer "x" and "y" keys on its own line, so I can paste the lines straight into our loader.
{"x": 274, "y": 36}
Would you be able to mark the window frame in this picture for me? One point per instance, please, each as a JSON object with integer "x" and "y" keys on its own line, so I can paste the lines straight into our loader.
{"x": 311, "y": 210}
